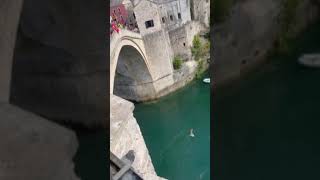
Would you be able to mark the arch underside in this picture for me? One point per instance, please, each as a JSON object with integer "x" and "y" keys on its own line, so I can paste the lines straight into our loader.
{"x": 133, "y": 80}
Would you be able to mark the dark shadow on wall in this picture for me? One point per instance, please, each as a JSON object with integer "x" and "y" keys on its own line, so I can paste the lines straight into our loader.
{"x": 133, "y": 80}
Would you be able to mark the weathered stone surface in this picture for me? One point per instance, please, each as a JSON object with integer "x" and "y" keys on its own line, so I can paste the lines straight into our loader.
{"x": 144, "y": 11}
{"x": 125, "y": 135}
{"x": 201, "y": 11}
{"x": 9, "y": 18}
{"x": 250, "y": 31}
{"x": 133, "y": 56}
{"x": 60, "y": 62}
{"x": 181, "y": 38}
{"x": 33, "y": 148}
{"x": 160, "y": 55}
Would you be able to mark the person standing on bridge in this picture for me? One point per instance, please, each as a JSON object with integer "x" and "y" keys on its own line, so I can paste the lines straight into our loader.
{"x": 115, "y": 27}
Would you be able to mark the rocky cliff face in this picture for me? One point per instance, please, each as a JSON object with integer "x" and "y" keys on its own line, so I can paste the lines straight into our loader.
{"x": 250, "y": 31}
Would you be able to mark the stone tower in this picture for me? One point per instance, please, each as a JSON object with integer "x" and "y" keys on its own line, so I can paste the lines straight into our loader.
{"x": 156, "y": 40}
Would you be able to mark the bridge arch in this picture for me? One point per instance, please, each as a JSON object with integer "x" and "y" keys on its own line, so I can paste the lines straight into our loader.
{"x": 130, "y": 73}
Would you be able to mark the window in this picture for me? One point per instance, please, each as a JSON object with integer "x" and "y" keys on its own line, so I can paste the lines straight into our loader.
{"x": 134, "y": 16}
{"x": 171, "y": 17}
{"x": 149, "y": 24}
{"x": 184, "y": 44}
{"x": 179, "y": 15}
{"x": 163, "y": 19}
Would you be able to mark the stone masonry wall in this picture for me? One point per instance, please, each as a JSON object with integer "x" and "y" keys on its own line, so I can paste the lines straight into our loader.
{"x": 145, "y": 11}
{"x": 160, "y": 55}
{"x": 181, "y": 38}
{"x": 201, "y": 11}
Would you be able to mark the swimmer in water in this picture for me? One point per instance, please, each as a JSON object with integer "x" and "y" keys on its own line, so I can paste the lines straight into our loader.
{"x": 191, "y": 133}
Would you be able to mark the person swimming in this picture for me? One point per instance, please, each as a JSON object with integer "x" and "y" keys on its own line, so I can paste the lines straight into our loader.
{"x": 191, "y": 133}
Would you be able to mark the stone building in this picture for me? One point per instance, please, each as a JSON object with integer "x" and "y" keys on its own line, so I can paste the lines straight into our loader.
{"x": 161, "y": 14}
{"x": 200, "y": 11}
{"x": 174, "y": 13}
{"x": 179, "y": 20}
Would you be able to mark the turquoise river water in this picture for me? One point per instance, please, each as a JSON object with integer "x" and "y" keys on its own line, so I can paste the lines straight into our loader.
{"x": 166, "y": 124}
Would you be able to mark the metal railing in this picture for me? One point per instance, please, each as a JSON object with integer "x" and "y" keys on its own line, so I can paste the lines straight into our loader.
{"x": 121, "y": 170}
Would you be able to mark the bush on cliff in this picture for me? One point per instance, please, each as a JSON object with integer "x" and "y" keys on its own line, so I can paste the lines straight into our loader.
{"x": 199, "y": 50}
{"x": 199, "y": 69}
{"x": 177, "y": 62}
{"x": 196, "y": 47}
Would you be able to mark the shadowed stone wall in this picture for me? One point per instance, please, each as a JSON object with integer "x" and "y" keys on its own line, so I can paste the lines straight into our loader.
{"x": 60, "y": 62}
{"x": 9, "y": 18}
{"x": 133, "y": 80}
{"x": 31, "y": 147}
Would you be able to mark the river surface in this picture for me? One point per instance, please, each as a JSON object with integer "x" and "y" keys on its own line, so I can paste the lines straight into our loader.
{"x": 165, "y": 125}
{"x": 268, "y": 125}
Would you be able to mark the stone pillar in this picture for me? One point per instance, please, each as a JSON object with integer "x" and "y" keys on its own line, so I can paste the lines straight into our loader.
{"x": 9, "y": 20}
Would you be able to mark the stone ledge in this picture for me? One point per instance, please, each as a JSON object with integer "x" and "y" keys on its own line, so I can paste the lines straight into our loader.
{"x": 34, "y": 148}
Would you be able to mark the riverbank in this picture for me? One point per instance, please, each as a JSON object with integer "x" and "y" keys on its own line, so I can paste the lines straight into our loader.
{"x": 182, "y": 77}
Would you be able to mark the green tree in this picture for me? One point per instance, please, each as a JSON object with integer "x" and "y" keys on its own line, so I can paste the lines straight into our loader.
{"x": 199, "y": 50}
{"x": 177, "y": 62}
{"x": 196, "y": 47}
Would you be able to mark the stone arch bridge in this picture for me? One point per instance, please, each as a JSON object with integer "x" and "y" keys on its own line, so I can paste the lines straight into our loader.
{"x": 136, "y": 72}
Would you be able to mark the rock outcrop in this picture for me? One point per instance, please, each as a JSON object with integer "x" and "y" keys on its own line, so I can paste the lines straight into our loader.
{"x": 34, "y": 148}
